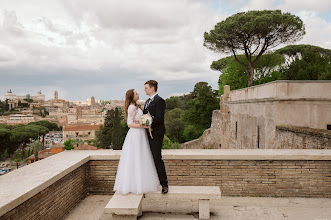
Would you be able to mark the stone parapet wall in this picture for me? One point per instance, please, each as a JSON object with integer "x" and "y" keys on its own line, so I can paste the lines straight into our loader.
{"x": 101, "y": 176}
{"x": 291, "y": 137}
{"x": 54, "y": 202}
{"x": 50, "y": 188}
{"x": 285, "y": 89}
{"x": 279, "y": 178}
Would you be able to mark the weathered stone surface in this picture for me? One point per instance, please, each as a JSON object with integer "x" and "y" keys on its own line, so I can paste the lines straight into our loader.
{"x": 293, "y": 137}
{"x": 129, "y": 204}
{"x": 204, "y": 211}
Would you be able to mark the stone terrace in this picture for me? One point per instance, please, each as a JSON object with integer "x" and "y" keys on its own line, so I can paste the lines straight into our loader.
{"x": 51, "y": 188}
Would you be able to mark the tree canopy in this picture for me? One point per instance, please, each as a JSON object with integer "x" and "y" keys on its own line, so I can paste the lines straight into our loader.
{"x": 174, "y": 123}
{"x": 233, "y": 74}
{"x": 305, "y": 62}
{"x": 200, "y": 107}
{"x": 253, "y": 33}
{"x": 113, "y": 131}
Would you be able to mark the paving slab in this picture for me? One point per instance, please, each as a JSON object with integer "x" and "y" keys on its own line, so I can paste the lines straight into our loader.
{"x": 241, "y": 208}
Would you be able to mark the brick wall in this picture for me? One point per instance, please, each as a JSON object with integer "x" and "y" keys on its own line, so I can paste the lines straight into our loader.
{"x": 54, "y": 202}
{"x": 101, "y": 176}
{"x": 280, "y": 178}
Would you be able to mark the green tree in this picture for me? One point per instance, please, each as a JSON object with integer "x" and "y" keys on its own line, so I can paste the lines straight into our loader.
{"x": 192, "y": 132}
{"x": 4, "y": 139}
{"x": 94, "y": 142}
{"x": 174, "y": 124}
{"x": 166, "y": 142}
{"x": 117, "y": 132}
{"x": 68, "y": 145}
{"x": 253, "y": 32}
{"x": 76, "y": 142}
{"x": 22, "y": 135}
{"x": 305, "y": 62}
{"x": 36, "y": 146}
{"x": 6, "y": 105}
{"x": 178, "y": 102}
{"x": 2, "y": 107}
{"x": 9, "y": 145}
{"x": 104, "y": 134}
{"x": 201, "y": 106}
{"x": 233, "y": 74}
{"x": 49, "y": 126}
{"x": 113, "y": 131}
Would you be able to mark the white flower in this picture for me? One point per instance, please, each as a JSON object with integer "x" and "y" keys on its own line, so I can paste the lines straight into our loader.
{"x": 146, "y": 119}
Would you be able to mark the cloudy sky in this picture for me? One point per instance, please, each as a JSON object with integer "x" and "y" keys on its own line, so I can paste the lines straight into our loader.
{"x": 102, "y": 48}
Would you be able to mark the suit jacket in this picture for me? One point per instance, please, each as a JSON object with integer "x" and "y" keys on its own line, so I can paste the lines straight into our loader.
{"x": 156, "y": 108}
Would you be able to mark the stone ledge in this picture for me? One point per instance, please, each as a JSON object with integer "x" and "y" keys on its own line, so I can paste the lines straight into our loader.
{"x": 305, "y": 130}
{"x": 19, "y": 185}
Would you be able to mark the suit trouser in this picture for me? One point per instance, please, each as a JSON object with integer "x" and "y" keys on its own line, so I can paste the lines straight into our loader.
{"x": 156, "y": 146}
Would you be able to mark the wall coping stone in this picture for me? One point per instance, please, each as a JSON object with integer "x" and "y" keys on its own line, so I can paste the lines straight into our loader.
{"x": 282, "y": 90}
{"x": 19, "y": 185}
{"x": 305, "y": 130}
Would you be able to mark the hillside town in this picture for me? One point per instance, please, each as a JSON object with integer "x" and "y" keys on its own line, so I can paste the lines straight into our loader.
{"x": 76, "y": 120}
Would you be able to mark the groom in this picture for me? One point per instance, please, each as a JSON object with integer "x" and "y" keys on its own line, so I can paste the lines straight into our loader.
{"x": 155, "y": 105}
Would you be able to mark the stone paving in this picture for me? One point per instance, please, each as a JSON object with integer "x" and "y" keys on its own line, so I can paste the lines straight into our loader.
{"x": 248, "y": 208}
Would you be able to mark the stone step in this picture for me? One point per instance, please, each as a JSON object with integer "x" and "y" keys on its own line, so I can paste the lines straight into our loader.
{"x": 124, "y": 206}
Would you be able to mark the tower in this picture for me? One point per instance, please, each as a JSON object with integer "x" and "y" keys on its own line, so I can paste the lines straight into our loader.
{"x": 56, "y": 96}
{"x": 92, "y": 101}
{"x": 79, "y": 112}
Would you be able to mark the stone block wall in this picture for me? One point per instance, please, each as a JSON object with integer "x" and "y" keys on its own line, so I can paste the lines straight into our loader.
{"x": 290, "y": 137}
{"x": 279, "y": 178}
{"x": 55, "y": 201}
{"x": 249, "y": 116}
{"x": 210, "y": 138}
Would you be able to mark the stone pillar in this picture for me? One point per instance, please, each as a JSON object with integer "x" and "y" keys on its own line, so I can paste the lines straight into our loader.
{"x": 226, "y": 95}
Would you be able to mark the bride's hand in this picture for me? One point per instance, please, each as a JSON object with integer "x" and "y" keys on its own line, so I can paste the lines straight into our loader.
{"x": 149, "y": 126}
{"x": 136, "y": 121}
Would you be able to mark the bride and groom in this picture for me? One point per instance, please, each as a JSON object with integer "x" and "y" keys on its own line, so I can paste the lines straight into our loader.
{"x": 141, "y": 168}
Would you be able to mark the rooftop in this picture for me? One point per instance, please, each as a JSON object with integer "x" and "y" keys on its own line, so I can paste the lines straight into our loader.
{"x": 80, "y": 127}
{"x": 18, "y": 186}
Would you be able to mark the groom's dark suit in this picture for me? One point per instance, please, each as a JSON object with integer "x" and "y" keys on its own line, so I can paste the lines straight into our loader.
{"x": 157, "y": 108}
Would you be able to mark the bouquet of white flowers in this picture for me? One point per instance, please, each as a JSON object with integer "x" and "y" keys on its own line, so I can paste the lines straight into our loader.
{"x": 146, "y": 120}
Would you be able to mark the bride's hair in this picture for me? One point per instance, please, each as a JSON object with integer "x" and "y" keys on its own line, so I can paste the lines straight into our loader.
{"x": 128, "y": 100}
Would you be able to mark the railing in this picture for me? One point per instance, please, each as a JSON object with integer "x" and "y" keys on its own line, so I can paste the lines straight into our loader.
{"x": 50, "y": 188}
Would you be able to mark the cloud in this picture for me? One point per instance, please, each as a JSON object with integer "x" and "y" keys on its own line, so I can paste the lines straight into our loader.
{"x": 105, "y": 47}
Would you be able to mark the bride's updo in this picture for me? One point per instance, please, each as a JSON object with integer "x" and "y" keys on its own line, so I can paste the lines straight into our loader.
{"x": 128, "y": 100}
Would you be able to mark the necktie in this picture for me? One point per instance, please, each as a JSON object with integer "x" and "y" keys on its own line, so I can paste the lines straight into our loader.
{"x": 148, "y": 101}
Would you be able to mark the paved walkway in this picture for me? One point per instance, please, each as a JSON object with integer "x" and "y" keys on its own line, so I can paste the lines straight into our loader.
{"x": 245, "y": 208}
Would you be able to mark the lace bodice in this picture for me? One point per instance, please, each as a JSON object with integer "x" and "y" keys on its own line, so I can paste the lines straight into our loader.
{"x": 134, "y": 113}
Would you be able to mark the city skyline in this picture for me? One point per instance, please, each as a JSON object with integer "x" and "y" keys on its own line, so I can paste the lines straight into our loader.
{"x": 103, "y": 48}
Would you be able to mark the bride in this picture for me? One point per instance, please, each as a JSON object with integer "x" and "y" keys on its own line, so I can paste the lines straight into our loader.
{"x": 136, "y": 172}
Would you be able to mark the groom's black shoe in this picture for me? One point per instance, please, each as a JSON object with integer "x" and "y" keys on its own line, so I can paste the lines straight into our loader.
{"x": 164, "y": 189}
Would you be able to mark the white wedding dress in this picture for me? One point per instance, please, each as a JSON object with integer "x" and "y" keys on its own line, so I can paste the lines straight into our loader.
{"x": 136, "y": 172}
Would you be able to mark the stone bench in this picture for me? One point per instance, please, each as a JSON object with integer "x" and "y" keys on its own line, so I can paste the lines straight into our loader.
{"x": 124, "y": 207}
{"x": 183, "y": 193}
